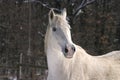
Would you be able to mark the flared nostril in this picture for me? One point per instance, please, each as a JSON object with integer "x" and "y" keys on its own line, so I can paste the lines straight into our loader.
{"x": 73, "y": 48}
{"x": 66, "y": 50}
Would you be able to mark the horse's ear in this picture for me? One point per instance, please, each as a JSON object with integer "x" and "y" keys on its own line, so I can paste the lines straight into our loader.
{"x": 51, "y": 15}
{"x": 64, "y": 13}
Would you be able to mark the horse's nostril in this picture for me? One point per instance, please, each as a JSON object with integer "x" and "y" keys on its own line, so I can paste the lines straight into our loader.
{"x": 73, "y": 48}
{"x": 66, "y": 50}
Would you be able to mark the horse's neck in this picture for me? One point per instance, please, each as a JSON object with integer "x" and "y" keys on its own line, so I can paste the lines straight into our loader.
{"x": 82, "y": 63}
{"x": 58, "y": 66}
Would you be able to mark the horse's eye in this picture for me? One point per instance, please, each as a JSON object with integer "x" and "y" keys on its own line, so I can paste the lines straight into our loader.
{"x": 54, "y": 29}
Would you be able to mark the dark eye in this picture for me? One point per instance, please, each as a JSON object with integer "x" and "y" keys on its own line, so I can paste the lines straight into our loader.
{"x": 54, "y": 29}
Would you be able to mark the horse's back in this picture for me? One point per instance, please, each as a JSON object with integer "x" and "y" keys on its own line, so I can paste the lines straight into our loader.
{"x": 112, "y": 55}
{"x": 111, "y": 65}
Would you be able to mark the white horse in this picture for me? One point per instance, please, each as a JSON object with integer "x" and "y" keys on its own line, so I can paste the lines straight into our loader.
{"x": 67, "y": 61}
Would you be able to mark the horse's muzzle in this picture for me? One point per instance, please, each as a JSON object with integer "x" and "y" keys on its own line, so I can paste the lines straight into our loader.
{"x": 69, "y": 50}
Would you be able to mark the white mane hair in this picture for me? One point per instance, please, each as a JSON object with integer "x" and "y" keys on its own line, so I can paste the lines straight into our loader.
{"x": 80, "y": 65}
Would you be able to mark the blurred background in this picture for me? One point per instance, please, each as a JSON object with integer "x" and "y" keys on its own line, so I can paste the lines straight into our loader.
{"x": 23, "y": 25}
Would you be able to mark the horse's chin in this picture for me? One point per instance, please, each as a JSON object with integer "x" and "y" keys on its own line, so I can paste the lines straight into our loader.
{"x": 69, "y": 56}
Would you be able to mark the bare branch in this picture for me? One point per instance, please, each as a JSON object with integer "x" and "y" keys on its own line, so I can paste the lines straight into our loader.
{"x": 43, "y": 4}
{"x": 83, "y": 4}
{"x": 3, "y": 26}
{"x": 48, "y": 7}
{"x": 41, "y": 34}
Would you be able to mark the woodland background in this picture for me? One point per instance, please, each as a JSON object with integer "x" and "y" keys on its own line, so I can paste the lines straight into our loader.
{"x": 23, "y": 25}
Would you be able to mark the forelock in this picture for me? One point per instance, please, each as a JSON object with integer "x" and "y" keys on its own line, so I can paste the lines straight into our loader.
{"x": 61, "y": 21}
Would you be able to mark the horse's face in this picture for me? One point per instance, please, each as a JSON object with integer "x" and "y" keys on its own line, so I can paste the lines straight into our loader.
{"x": 59, "y": 31}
